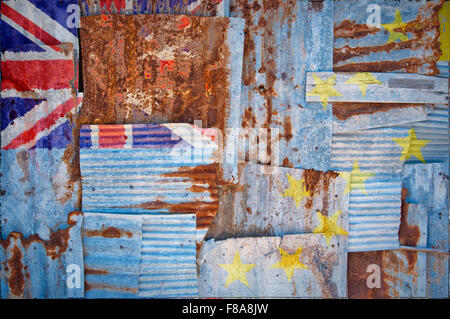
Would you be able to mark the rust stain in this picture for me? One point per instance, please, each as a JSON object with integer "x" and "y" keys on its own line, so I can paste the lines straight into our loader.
{"x": 103, "y": 286}
{"x": 317, "y": 5}
{"x": 89, "y": 271}
{"x": 55, "y": 246}
{"x": 287, "y": 126}
{"x": 317, "y": 182}
{"x": 107, "y": 232}
{"x": 16, "y": 280}
{"x": 249, "y": 119}
{"x": 425, "y": 36}
{"x": 351, "y": 30}
{"x": 343, "y": 111}
{"x": 287, "y": 163}
{"x": 23, "y": 161}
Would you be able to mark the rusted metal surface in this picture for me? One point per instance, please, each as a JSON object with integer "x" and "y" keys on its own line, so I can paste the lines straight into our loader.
{"x": 191, "y": 7}
{"x": 112, "y": 255}
{"x": 148, "y": 169}
{"x": 38, "y": 267}
{"x": 284, "y": 40}
{"x": 175, "y": 69}
{"x": 287, "y": 201}
{"x": 289, "y": 266}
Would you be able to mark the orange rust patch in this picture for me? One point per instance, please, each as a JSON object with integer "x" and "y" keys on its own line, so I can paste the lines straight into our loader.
{"x": 107, "y": 232}
{"x": 16, "y": 280}
{"x": 89, "y": 271}
{"x": 351, "y": 30}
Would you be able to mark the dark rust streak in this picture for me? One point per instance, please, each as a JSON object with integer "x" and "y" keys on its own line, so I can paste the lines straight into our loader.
{"x": 351, "y": 30}
{"x": 16, "y": 280}
{"x": 343, "y": 111}
{"x": 89, "y": 271}
{"x": 317, "y": 182}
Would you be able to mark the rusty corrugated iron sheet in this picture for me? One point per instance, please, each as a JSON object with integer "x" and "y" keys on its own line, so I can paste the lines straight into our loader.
{"x": 112, "y": 255}
{"x": 38, "y": 266}
{"x": 147, "y": 169}
{"x": 284, "y": 40}
{"x": 290, "y": 266}
{"x": 419, "y": 268}
{"x": 191, "y": 7}
{"x": 286, "y": 201}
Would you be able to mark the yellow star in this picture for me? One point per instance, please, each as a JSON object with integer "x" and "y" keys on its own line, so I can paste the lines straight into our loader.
{"x": 289, "y": 262}
{"x": 328, "y": 226}
{"x": 324, "y": 89}
{"x": 355, "y": 179}
{"x": 237, "y": 270}
{"x": 297, "y": 190}
{"x": 398, "y": 23}
{"x": 363, "y": 79}
{"x": 411, "y": 146}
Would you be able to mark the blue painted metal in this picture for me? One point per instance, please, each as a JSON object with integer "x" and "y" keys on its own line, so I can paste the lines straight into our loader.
{"x": 39, "y": 267}
{"x": 112, "y": 255}
{"x": 168, "y": 262}
{"x": 325, "y": 277}
{"x": 283, "y": 41}
{"x": 427, "y": 185}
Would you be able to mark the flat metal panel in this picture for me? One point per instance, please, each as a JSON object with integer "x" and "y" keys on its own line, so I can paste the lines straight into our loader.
{"x": 289, "y": 266}
{"x": 286, "y": 201}
{"x": 168, "y": 262}
{"x": 38, "y": 267}
{"x": 373, "y": 87}
{"x": 148, "y": 169}
{"x": 112, "y": 255}
{"x": 284, "y": 40}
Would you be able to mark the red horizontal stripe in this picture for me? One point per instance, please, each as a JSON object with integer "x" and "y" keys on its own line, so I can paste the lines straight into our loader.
{"x": 37, "y": 74}
{"x": 43, "y": 124}
{"x": 105, "y": 140}
{"x": 29, "y": 26}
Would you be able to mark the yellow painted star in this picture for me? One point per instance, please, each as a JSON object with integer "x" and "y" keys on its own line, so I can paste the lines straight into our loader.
{"x": 324, "y": 89}
{"x": 237, "y": 270}
{"x": 328, "y": 226}
{"x": 289, "y": 262}
{"x": 398, "y": 23}
{"x": 411, "y": 146}
{"x": 362, "y": 80}
{"x": 297, "y": 190}
{"x": 355, "y": 179}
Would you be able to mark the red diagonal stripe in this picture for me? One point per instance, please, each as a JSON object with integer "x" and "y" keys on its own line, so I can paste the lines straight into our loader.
{"x": 37, "y": 74}
{"x": 29, "y": 26}
{"x": 43, "y": 124}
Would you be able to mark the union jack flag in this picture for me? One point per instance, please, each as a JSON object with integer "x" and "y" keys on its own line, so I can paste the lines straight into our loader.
{"x": 39, "y": 73}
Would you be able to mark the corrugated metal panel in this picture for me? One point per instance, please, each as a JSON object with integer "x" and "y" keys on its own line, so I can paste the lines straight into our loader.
{"x": 38, "y": 267}
{"x": 168, "y": 263}
{"x": 286, "y": 201}
{"x": 144, "y": 169}
{"x": 283, "y": 40}
{"x": 289, "y": 266}
{"x": 112, "y": 255}
{"x": 194, "y": 7}
{"x": 372, "y": 158}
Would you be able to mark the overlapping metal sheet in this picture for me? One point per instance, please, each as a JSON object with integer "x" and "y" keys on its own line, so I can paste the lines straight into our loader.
{"x": 289, "y": 266}
{"x": 43, "y": 267}
{"x": 145, "y": 169}
{"x": 284, "y": 40}
{"x": 419, "y": 268}
{"x": 286, "y": 201}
